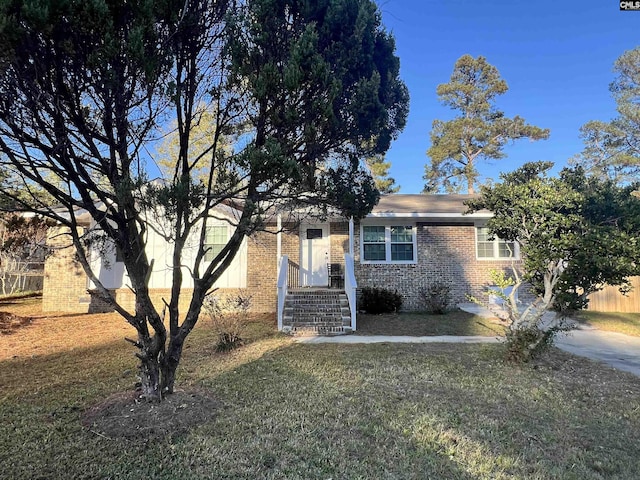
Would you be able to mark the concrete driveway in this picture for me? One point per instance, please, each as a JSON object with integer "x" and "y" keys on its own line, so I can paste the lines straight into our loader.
{"x": 618, "y": 350}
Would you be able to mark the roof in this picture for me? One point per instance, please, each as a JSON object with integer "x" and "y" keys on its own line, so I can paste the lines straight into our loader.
{"x": 425, "y": 205}
{"x": 442, "y": 207}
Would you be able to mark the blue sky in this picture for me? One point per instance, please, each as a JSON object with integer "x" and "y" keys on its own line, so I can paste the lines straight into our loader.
{"x": 556, "y": 56}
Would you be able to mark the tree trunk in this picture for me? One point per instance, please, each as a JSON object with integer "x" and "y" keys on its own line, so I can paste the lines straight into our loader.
{"x": 470, "y": 189}
{"x": 170, "y": 365}
{"x": 152, "y": 347}
{"x": 177, "y": 338}
{"x": 150, "y": 378}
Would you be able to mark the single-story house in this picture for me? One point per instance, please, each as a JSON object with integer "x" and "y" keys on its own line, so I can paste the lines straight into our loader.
{"x": 309, "y": 271}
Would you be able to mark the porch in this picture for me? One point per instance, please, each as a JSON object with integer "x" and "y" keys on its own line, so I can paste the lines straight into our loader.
{"x": 317, "y": 311}
{"x": 317, "y": 287}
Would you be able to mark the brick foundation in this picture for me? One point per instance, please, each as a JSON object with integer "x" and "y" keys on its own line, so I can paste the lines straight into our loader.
{"x": 126, "y": 299}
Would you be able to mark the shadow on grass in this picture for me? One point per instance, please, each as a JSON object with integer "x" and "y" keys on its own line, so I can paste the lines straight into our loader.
{"x": 344, "y": 411}
{"x": 418, "y": 411}
{"x": 14, "y": 297}
{"x": 301, "y": 413}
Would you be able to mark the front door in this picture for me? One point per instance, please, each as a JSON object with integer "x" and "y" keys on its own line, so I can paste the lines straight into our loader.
{"x": 314, "y": 255}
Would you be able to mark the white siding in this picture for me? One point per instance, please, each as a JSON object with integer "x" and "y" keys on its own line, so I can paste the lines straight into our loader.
{"x": 112, "y": 274}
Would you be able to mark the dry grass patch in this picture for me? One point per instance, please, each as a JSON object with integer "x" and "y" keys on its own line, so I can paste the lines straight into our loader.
{"x": 45, "y": 333}
{"x": 627, "y": 323}
{"x": 455, "y": 322}
{"x": 50, "y": 333}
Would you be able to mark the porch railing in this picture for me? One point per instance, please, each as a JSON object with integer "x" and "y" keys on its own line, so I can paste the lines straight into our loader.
{"x": 350, "y": 286}
{"x": 294, "y": 275}
{"x": 283, "y": 270}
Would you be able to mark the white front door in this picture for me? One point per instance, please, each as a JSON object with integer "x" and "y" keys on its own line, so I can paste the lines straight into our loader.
{"x": 314, "y": 255}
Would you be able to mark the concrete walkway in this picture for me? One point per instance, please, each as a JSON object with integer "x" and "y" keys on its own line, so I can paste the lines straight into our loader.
{"x": 396, "y": 339}
{"x": 616, "y": 349}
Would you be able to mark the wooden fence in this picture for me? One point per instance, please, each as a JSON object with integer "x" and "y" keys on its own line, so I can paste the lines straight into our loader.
{"x": 611, "y": 300}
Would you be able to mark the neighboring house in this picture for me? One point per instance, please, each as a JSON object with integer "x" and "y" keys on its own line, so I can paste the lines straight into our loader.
{"x": 406, "y": 243}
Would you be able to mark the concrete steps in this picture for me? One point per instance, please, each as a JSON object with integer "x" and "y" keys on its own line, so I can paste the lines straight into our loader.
{"x": 317, "y": 312}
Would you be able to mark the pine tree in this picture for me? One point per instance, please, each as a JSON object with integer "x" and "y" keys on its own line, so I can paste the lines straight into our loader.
{"x": 379, "y": 170}
{"x": 480, "y": 131}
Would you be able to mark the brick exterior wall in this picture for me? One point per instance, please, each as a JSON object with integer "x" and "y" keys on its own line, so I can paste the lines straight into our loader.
{"x": 65, "y": 283}
{"x": 339, "y": 232}
{"x": 445, "y": 253}
{"x": 126, "y": 299}
{"x": 291, "y": 248}
{"x": 65, "y": 287}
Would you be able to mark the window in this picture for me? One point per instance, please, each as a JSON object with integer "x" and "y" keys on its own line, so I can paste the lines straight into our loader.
{"x": 215, "y": 240}
{"x": 488, "y": 247}
{"x": 373, "y": 243}
{"x": 388, "y": 244}
{"x": 401, "y": 244}
{"x": 314, "y": 233}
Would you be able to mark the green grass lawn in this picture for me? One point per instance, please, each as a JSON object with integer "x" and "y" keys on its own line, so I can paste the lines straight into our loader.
{"x": 627, "y": 323}
{"x": 294, "y": 411}
{"x": 455, "y": 322}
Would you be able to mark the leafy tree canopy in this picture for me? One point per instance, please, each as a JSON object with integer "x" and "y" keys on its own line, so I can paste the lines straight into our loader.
{"x": 576, "y": 233}
{"x": 612, "y": 149}
{"x": 87, "y": 87}
{"x": 480, "y": 131}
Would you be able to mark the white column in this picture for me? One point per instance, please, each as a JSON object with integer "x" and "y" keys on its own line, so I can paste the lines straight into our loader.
{"x": 351, "y": 236}
{"x": 279, "y": 240}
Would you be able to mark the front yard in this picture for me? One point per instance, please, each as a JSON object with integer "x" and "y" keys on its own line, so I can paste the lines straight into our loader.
{"x": 286, "y": 410}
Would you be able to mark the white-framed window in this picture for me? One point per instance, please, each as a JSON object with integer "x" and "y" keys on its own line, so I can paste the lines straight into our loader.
{"x": 388, "y": 244}
{"x": 493, "y": 248}
{"x": 215, "y": 240}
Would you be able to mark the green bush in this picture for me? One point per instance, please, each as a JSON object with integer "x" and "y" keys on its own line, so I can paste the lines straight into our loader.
{"x": 436, "y": 297}
{"x": 380, "y": 300}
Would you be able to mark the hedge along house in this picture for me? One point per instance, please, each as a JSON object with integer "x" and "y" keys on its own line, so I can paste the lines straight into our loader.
{"x": 309, "y": 270}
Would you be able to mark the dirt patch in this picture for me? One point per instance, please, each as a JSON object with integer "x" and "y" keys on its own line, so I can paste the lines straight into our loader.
{"x": 125, "y": 416}
{"x": 9, "y": 322}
